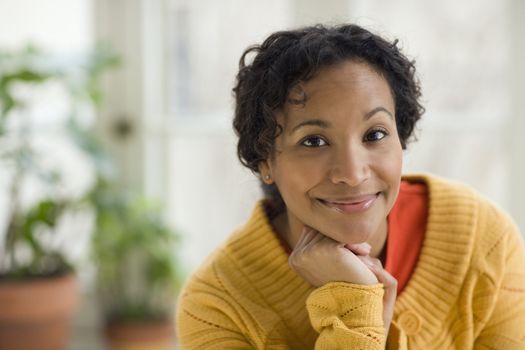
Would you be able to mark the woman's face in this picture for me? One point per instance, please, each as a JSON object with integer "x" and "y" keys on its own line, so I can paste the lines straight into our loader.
{"x": 338, "y": 160}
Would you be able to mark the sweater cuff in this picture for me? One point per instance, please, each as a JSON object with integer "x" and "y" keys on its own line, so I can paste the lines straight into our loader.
{"x": 397, "y": 339}
{"x": 357, "y": 306}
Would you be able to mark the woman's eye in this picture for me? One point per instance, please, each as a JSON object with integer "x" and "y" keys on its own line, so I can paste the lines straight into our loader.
{"x": 375, "y": 135}
{"x": 314, "y": 141}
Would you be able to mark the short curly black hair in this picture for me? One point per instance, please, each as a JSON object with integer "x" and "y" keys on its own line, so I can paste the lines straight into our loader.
{"x": 288, "y": 57}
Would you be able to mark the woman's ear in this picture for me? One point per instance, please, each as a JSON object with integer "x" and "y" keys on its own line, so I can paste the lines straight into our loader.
{"x": 266, "y": 172}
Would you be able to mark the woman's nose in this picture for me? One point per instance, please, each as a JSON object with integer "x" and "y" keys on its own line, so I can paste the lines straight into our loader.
{"x": 350, "y": 166}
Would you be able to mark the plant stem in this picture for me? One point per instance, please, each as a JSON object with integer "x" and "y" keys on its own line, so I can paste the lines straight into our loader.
{"x": 13, "y": 227}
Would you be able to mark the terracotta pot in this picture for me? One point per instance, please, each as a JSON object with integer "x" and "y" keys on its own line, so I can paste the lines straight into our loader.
{"x": 153, "y": 335}
{"x": 36, "y": 314}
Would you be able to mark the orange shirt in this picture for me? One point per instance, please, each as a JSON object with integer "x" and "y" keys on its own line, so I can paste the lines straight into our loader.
{"x": 407, "y": 223}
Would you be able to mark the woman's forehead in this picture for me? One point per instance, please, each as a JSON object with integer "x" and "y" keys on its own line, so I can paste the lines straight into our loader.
{"x": 351, "y": 83}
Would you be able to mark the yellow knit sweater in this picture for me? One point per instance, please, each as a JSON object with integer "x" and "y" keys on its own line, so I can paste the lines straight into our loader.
{"x": 467, "y": 291}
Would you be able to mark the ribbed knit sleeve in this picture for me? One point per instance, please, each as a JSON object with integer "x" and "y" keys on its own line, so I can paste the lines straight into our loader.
{"x": 207, "y": 317}
{"x": 245, "y": 296}
{"x": 347, "y": 316}
{"x": 499, "y": 292}
{"x": 201, "y": 326}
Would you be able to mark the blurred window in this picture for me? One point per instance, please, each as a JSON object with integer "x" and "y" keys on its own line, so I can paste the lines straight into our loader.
{"x": 204, "y": 40}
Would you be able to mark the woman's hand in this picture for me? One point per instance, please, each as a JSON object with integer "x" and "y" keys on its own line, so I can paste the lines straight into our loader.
{"x": 320, "y": 259}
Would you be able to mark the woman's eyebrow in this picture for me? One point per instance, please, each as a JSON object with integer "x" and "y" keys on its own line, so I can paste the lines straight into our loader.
{"x": 369, "y": 115}
{"x": 315, "y": 122}
{"x": 324, "y": 124}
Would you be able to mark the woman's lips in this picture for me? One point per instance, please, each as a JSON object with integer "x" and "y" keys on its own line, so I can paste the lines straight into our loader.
{"x": 352, "y": 205}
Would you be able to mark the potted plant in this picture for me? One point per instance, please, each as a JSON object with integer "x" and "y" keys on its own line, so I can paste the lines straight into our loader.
{"x": 38, "y": 288}
{"x": 137, "y": 270}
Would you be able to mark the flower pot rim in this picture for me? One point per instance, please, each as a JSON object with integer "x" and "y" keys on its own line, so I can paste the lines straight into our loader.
{"x": 37, "y": 279}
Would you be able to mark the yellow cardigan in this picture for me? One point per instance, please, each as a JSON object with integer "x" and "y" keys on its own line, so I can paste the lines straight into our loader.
{"x": 467, "y": 291}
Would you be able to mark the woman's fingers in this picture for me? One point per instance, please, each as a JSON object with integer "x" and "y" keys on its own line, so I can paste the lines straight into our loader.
{"x": 316, "y": 239}
{"x": 306, "y": 236}
{"x": 311, "y": 238}
{"x": 359, "y": 248}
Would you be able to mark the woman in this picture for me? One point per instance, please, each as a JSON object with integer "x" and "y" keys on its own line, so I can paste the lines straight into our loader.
{"x": 323, "y": 115}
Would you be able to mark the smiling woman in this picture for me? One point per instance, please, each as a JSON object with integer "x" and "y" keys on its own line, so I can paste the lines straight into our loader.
{"x": 345, "y": 252}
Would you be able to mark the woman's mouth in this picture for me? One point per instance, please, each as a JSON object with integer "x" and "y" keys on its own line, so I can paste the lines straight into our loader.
{"x": 350, "y": 205}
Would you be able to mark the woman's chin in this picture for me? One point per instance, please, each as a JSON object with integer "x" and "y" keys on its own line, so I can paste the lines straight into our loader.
{"x": 351, "y": 235}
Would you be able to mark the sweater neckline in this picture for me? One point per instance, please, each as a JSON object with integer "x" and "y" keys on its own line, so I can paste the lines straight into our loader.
{"x": 445, "y": 253}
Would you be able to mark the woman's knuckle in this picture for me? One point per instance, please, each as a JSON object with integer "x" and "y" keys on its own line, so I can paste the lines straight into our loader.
{"x": 299, "y": 259}
{"x": 377, "y": 263}
{"x": 392, "y": 282}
